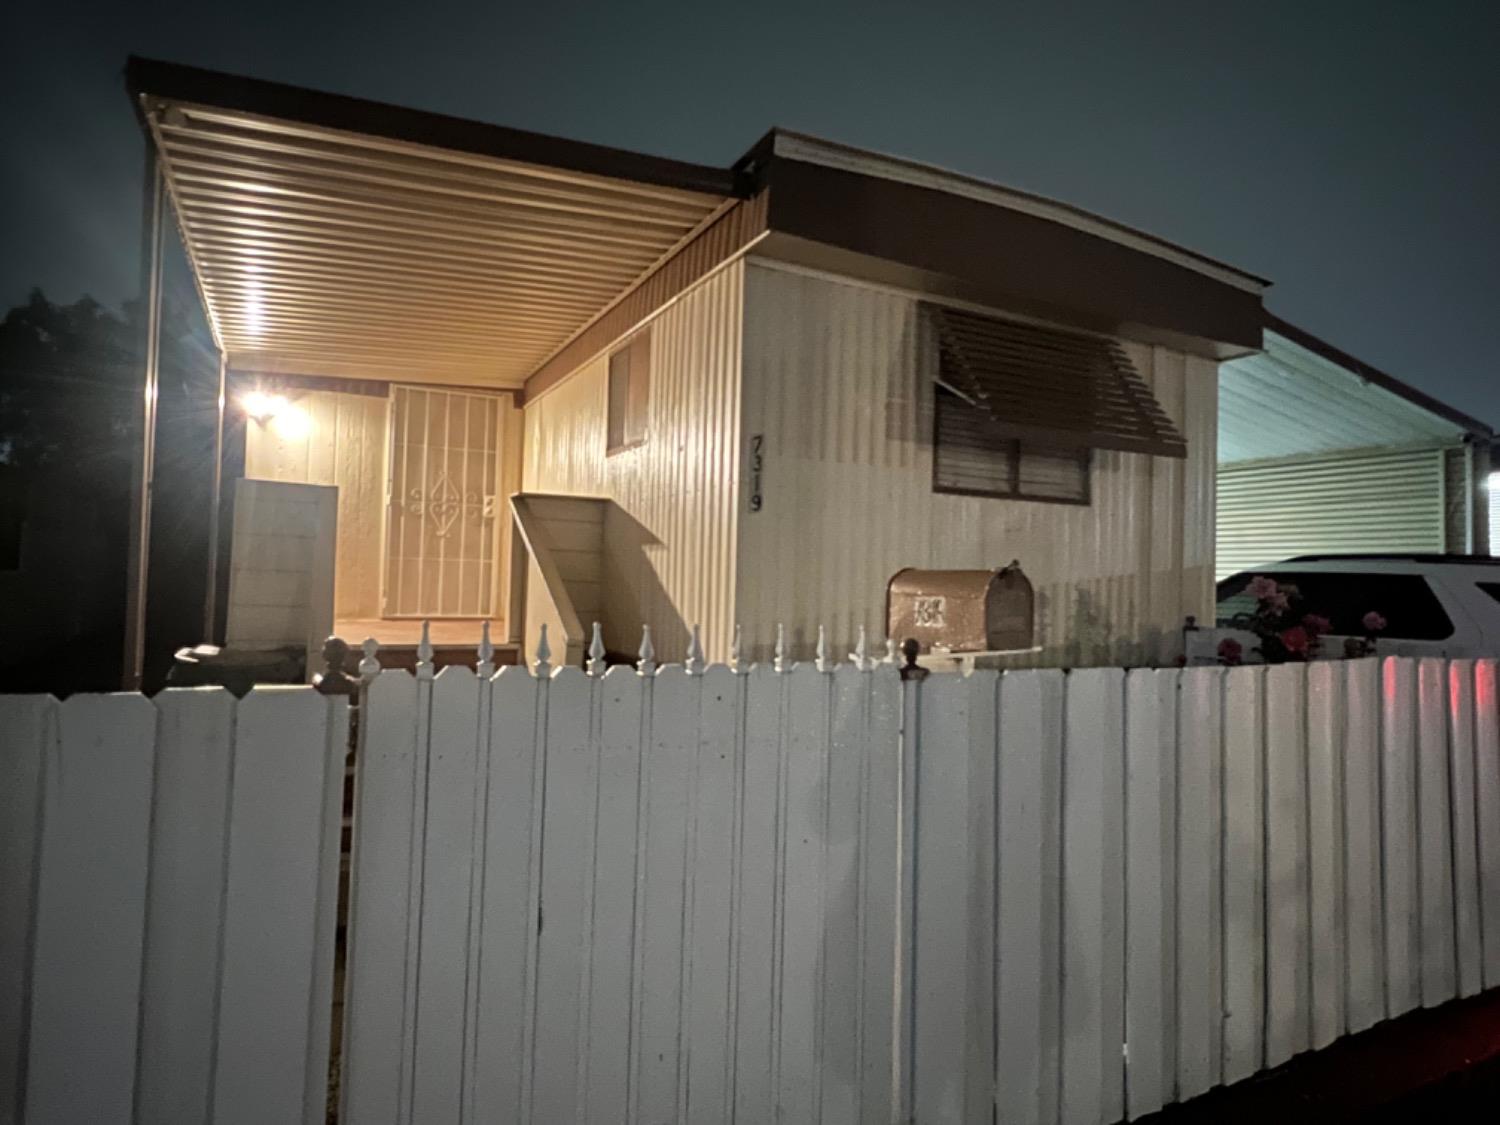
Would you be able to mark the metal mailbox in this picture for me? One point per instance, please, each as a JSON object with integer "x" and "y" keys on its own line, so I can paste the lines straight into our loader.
{"x": 961, "y": 611}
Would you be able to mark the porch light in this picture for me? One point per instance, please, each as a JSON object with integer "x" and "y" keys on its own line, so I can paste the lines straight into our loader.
{"x": 289, "y": 421}
{"x": 262, "y": 406}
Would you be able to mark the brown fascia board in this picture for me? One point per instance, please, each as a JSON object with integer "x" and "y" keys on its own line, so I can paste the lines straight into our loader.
{"x": 937, "y": 244}
{"x": 190, "y": 85}
{"x": 1005, "y": 257}
{"x": 1374, "y": 375}
{"x": 740, "y": 227}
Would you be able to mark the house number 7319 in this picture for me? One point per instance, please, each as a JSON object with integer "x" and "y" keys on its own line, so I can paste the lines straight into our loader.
{"x": 757, "y": 462}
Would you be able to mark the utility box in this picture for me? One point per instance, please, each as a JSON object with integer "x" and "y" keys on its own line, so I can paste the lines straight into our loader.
{"x": 962, "y": 611}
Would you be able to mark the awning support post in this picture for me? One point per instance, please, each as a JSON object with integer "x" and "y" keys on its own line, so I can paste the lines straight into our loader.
{"x": 211, "y": 596}
{"x": 137, "y": 563}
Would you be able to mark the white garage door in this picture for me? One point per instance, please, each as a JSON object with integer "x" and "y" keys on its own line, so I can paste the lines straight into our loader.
{"x": 1370, "y": 502}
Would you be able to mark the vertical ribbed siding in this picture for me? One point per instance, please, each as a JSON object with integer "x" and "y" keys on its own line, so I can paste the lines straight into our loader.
{"x": 1389, "y": 500}
{"x": 344, "y": 443}
{"x": 670, "y": 536}
{"x": 1458, "y": 500}
{"x": 838, "y": 378}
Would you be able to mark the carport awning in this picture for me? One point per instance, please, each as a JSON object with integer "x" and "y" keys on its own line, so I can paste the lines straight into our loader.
{"x": 331, "y": 236}
{"x": 1301, "y": 397}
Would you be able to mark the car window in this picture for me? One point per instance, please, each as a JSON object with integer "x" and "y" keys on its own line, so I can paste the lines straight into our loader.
{"x": 1490, "y": 588}
{"x": 1411, "y": 610}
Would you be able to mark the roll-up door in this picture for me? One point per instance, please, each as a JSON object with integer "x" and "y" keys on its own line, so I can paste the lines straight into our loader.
{"x": 1358, "y": 502}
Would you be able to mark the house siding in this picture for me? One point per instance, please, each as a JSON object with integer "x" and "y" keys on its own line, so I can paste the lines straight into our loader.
{"x": 1361, "y": 500}
{"x": 345, "y": 444}
{"x": 838, "y": 387}
{"x": 669, "y": 537}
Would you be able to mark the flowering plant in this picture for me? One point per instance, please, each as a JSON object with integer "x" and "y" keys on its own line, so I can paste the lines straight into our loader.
{"x": 1286, "y": 630}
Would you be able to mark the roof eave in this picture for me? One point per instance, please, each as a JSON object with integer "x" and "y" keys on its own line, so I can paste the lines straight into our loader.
{"x": 174, "y": 82}
{"x": 1304, "y": 339}
{"x": 792, "y": 144}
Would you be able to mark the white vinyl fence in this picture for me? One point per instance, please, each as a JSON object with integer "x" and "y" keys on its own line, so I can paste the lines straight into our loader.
{"x": 709, "y": 895}
{"x": 168, "y": 883}
{"x": 828, "y": 896}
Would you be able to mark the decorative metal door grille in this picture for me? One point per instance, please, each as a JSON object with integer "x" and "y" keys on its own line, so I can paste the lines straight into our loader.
{"x": 440, "y": 534}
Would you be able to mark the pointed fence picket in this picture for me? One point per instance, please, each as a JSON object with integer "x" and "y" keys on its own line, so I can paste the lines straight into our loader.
{"x": 826, "y": 892}
{"x": 724, "y": 893}
{"x": 678, "y": 901}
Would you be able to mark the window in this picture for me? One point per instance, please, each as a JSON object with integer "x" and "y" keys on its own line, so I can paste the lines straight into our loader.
{"x": 1046, "y": 386}
{"x": 1411, "y": 610}
{"x": 970, "y": 459}
{"x": 629, "y": 391}
{"x": 1490, "y": 588}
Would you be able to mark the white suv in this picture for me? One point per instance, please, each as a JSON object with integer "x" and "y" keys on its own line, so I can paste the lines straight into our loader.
{"x": 1434, "y": 605}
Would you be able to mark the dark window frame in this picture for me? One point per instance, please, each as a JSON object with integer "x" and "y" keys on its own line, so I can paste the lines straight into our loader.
{"x": 629, "y": 428}
{"x": 1015, "y": 449}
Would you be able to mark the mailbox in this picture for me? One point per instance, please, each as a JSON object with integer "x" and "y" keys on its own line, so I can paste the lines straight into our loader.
{"x": 960, "y": 611}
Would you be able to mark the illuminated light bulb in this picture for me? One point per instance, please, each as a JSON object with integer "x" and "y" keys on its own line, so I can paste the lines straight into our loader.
{"x": 262, "y": 406}
{"x": 291, "y": 422}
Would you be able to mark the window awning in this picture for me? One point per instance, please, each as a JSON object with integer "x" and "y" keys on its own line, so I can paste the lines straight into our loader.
{"x": 1050, "y": 387}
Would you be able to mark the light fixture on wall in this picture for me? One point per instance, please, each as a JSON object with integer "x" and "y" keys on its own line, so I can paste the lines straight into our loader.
{"x": 262, "y": 405}
{"x": 277, "y": 412}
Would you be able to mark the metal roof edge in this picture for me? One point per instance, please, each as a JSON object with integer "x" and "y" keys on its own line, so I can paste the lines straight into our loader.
{"x": 176, "y": 82}
{"x": 793, "y": 145}
{"x": 1401, "y": 389}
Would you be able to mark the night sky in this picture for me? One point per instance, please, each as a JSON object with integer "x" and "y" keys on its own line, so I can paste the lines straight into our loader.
{"x": 1350, "y": 152}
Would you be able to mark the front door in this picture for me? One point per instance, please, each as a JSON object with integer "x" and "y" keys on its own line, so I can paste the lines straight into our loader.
{"x": 440, "y": 529}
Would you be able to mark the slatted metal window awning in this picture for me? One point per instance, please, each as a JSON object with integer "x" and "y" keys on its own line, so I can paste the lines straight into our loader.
{"x": 1051, "y": 387}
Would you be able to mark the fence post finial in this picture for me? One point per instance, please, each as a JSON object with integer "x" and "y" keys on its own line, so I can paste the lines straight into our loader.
{"x": 486, "y": 666}
{"x": 779, "y": 663}
{"x": 425, "y": 668}
{"x": 695, "y": 653}
{"x": 596, "y": 652}
{"x": 820, "y": 654}
{"x": 369, "y": 666}
{"x": 912, "y": 670}
{"x": 892, "y": 654}
{"x": 861, "y": 653}
{"x": 736, "y": 651}
{"x": 542, "y": 666}
{"x": 333, "y": 680}
{"x": 647, "y": 663}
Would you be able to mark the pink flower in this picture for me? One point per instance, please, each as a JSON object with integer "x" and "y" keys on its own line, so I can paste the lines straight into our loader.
{"x": 1278, "y": 602}
{"x": 1373, "y": 622}
{"x": 1262, "y": 588}
{"x": 1295, "y": 640}
{"x": 1316, "y": 625}
{"x": 1231, "y": 651}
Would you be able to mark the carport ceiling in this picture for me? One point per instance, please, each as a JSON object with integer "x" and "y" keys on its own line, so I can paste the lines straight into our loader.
{"x": 1290, "y": 401}
{"x": 326, "y": 240}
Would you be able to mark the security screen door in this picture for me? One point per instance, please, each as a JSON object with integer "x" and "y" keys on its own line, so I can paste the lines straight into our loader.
{"x": 440, "y": 530}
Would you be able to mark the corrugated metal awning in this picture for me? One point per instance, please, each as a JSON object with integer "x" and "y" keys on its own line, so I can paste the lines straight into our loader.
{"x": 1292, "y": 401}
{"x": 329, "y": 239}
{"x": 1058, "y": 388}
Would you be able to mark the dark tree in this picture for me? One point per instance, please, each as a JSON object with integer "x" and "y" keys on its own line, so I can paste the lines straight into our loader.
{"x": 70, "y": 418}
